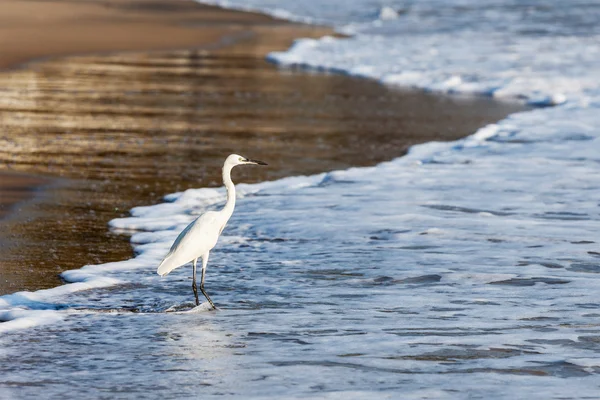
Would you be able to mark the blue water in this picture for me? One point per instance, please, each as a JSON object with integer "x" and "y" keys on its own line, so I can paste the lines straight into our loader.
{"x": 462, "y": 270}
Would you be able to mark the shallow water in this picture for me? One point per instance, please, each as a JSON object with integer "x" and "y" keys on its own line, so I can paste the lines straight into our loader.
{"x": 420, "y": 276}
{"x": 462, "y": 270}
{"x": 126, "y": 129}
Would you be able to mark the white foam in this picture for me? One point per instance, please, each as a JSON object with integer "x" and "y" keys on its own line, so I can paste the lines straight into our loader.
{"x": 202, "y": 308}
{"x": 387, "y": 13}
{"x": 16, "y": 319}
{"x": 488, "y": 244}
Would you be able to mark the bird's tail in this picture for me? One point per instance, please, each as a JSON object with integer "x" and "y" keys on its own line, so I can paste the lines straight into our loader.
{"x": 167, "y": 265}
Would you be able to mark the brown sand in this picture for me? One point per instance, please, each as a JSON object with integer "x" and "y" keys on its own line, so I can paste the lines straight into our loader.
{"x": 128, "y": 128}
{"x": 33, "y": 29}
{"x": 15, "y": 188}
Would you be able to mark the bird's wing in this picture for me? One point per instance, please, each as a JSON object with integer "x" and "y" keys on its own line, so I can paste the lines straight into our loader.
{"x": 195, "y": 240}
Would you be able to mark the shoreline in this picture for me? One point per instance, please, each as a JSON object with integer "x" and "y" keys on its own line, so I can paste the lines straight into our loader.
{"x": 126, "y": 128}
{"x": 128, "y": 26}
{"x": 17, "y": 187}
{"x": 71, "y": 28}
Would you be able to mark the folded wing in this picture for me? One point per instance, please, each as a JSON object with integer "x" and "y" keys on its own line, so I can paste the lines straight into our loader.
{"x": 195, "y": 240}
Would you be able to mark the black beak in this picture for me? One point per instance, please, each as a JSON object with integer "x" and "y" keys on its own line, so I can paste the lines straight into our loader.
{"x": 256, "y": 162}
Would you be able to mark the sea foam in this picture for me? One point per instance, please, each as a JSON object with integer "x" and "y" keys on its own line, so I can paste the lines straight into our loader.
{"x": 452, "y": 271}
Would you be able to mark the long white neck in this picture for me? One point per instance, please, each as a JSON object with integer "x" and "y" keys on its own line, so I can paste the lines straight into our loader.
{"x": 230, "y": 205}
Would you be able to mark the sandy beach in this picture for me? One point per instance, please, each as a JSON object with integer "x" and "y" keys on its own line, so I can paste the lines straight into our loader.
{"x": 35, "y": 29}
{"x": 107, "y": 130}
{"x": 433, "y": 242}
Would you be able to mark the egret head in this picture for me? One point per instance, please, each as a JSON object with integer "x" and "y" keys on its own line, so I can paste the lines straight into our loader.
{"x": 236, "y": 159}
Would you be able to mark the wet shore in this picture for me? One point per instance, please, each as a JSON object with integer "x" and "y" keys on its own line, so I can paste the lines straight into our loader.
{"x": 110, "y": 132}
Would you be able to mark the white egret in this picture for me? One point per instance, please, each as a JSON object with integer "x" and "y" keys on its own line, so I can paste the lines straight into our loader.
{"x": 200, "y": 236}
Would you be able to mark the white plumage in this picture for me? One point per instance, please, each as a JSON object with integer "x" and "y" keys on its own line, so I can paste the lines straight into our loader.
{"x": 200, "y": 236}
{"x": 195, "y": 240}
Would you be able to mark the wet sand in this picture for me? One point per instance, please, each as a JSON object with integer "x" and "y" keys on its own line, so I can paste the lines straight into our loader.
{"x": 125, "y": 129}
{"x": 16, "y": 188}
{"x": 35, "y": 29}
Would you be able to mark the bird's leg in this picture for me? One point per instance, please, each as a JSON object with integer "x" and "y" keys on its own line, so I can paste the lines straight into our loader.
{"x": 204, "y": 263}
{"x": 194, "y": 283}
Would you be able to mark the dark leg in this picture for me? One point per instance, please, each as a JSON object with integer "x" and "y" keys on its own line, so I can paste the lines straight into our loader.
{"x": 204, "y": 263}
{"x": 194, "y": 284}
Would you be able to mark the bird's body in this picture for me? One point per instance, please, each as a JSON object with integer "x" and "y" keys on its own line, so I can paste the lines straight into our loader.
{"x": 194, "y": 241}
{"x": 200, "y": 236}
